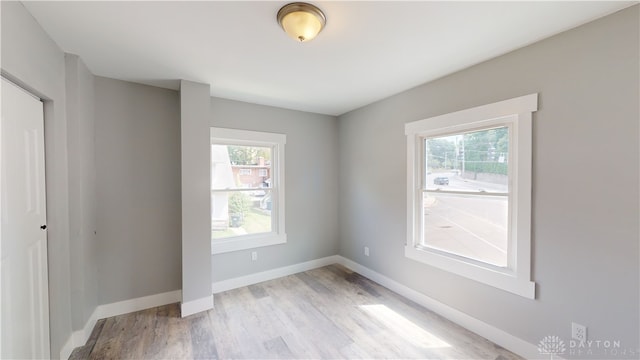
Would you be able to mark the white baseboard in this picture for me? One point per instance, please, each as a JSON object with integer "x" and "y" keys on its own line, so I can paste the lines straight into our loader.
{"x": 498, "y": 336}
{"x": 196, "y": 306}
{"x": 251, "y": 279}
{"x": 80, "y": 337}
{"x": 137, "y": 304}
{"x": 67, "y": 348}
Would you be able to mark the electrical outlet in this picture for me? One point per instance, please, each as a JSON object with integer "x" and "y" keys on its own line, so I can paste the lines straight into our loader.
{"x": 254, "y": 255}
{"x": 578, "y": 332}
{"x": 366, "y": 251}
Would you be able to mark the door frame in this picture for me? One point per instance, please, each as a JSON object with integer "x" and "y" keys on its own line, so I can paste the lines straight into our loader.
{"x": 47, "y": 106}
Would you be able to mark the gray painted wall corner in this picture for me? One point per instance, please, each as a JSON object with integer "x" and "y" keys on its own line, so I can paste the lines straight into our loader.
{"x": 196, "y": 192}
{"x": 138, "y": 190}
{"x": 82, "y": 190}
{"x": 311, "y": 158}
{"x": 585, "y": 232}
{"x": 34, "y": 61}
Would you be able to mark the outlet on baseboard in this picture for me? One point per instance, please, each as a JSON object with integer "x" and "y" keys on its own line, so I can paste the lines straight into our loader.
{"x": 366, "y": 251}
{"x": 578, "y": 332}
{"x": 254, "y": 255}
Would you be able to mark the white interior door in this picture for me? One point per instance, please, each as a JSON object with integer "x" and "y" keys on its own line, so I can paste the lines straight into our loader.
{"x": 24, "y": 299}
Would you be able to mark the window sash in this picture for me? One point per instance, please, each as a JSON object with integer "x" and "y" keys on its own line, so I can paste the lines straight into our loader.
{"x": 424, "y": 238}
{"x": 518, "y": 113}
{"x": 241, "y": 172}
{"x": 234, "y": 137}
{"x": 470, "y": 193}
{"x": 272, "y": 216}
{"x": 242, "y": 189}
{"x": 421, "y": 242}
{"x": 504, "y": 122}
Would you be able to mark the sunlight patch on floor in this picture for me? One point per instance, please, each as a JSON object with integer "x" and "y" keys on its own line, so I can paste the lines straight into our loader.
{"x": 404, "y": 327}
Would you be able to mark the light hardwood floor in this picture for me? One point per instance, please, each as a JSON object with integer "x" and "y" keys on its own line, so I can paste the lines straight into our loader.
{"x": 329, "y": 312}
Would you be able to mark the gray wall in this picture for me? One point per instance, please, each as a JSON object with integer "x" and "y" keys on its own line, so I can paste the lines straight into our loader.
{"x": 138, "y": 190}
{"x": 82, "y": 190}
{"x": 311, "y": 158}
{"x": 585, "y": 183}
{"x": 33, "y": 60}
{"x": 585, "y": 240}
{"x": 196, "y": 193}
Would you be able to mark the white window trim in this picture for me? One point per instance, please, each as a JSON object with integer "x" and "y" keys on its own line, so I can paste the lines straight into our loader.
{"x": 517, "y": 113}
{"x": 257, "y": 138}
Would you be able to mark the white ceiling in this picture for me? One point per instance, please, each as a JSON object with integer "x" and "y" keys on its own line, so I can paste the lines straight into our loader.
{"x": 368, "y": 50}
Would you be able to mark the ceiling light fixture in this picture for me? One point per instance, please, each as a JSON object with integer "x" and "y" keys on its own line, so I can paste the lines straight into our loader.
{"x": 301, "y": 21}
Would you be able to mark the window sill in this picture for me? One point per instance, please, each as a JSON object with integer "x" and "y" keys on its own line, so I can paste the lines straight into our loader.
{"x": 505, "y": 280}
{"x": 246, "y": 242}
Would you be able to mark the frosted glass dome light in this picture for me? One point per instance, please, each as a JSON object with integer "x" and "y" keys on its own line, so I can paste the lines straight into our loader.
{"x": 301, "y": 21}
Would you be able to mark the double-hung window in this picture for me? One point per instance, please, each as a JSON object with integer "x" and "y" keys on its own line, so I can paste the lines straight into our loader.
{"x": 469, "y": 193}
{"x": 247, "y": 207}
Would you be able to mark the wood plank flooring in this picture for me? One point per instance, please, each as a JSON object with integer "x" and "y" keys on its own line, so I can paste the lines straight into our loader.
{"x": 329, "y": 312}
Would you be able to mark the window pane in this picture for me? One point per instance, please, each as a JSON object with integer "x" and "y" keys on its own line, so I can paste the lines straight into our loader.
{"x": 471, "y": 226}
{"x": 235, "y": 213}
{"x": 474, "y": 161}
{"x": 240, "y": 167}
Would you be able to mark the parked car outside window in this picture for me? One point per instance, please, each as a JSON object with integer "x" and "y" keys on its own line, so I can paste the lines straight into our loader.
{"x": 441, "y": 180}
